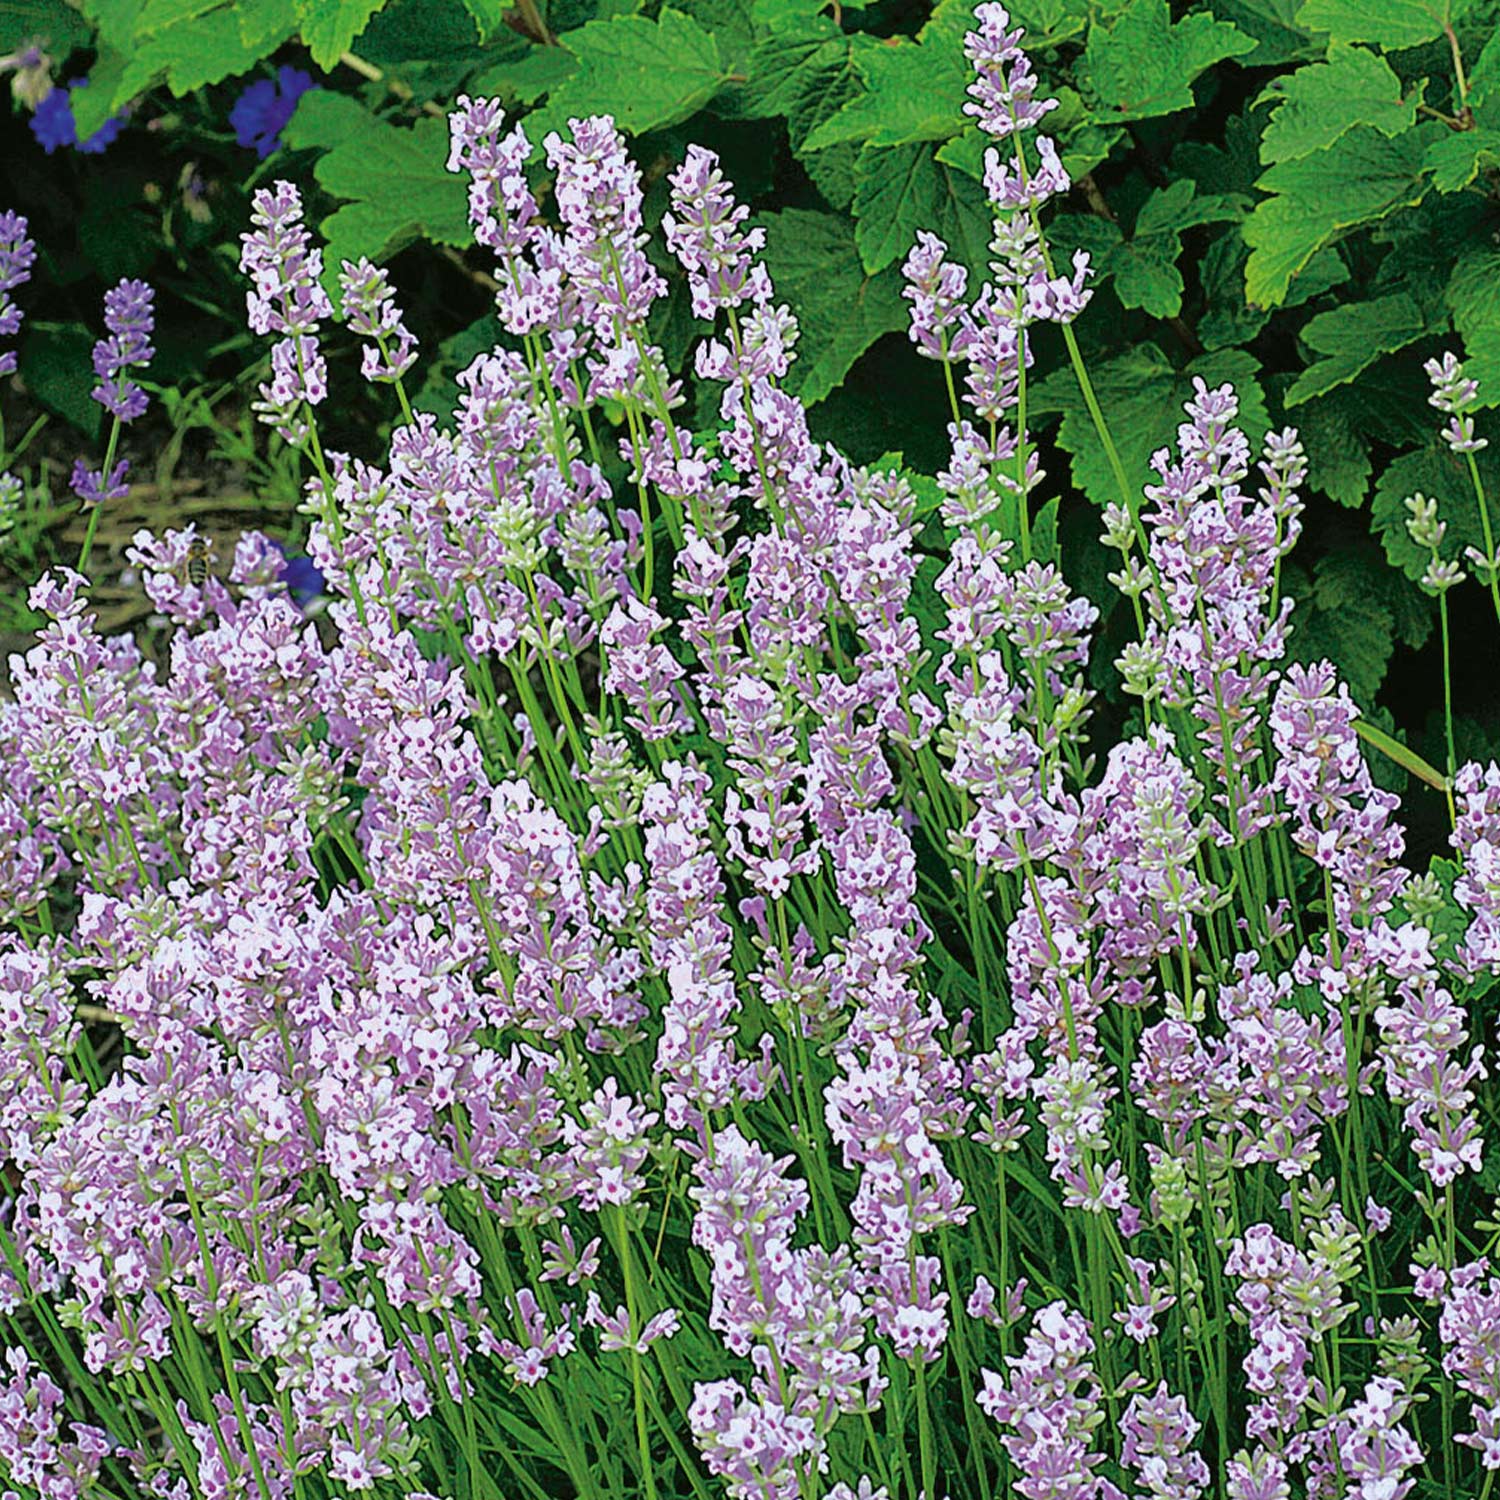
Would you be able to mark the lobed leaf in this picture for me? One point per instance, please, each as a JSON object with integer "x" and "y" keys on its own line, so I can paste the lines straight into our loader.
{"x": 1142, "y": 63}
{"x": 1351, "y": 338}
{"x": 647, "y": 74}
{"x": 1389, "y": 24}
{"x": 1136, "y": 390}
{"x": 1443, "y": 476}
{"x": 1360, "y": 179}
{"x": 840, "y": 308}
{"x": 1457, "y": 158}
{"x": 902, "y": 189}
{"x": 1473, "y": 297}
{"x": 329, "y": 27}
{"x": 60, "y": 23}
{"x": 1320, "y": 102}
{"x": 395, "y": 179}
{"x": 914, "y": 89}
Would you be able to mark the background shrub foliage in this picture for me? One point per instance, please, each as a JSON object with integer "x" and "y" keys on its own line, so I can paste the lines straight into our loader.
{"x": 1299, "y": 196}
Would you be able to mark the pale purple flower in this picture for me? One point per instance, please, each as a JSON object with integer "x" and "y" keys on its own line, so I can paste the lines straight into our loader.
{"x": 286, "y": 297}
{"x": 368, "y": 304}
{"x": 705, "y": 231}
{"x": 17, "y": 256}
{"x": 129, "y": 317}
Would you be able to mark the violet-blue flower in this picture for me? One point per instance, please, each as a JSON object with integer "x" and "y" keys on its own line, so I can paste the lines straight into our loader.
{"x": 265, "y": 106}
{"x": 53, "y": 124}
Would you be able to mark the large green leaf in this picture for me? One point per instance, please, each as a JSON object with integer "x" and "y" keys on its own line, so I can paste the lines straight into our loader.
{"x": 115, "y": 20}
{"x": 22, "y": 21}
{"x": 1457, "y": 158}
{"x": 1353, "y": 611}
{"x": 1359, "y": 179}
{"x": 488, "y": 15}
{"x": 1320, "y": 101}
{"x": 1144, "y": 266}
{"x": 535, "y": 74}
{"x": 1385, "y": 23}
{"x": 1350, "y": 338}
{"x": 841, "y": 309}
{"x": 266, "y": 24}
{"x": 394, "y": 178}
{"x": 1142, "y": 63}
{"x": 914, "y": 89}
{"x": 158, "y": 15}
{"x": 188, "y": 44}
{"x": 1338, "y": 457}
{"x": 647, "y": 74}
{"x": 329, "y": 27}
{"x": 55, "y": 367}
{"x": 901, "y": 189}
{"x": 1473, "y": 297}
{"x": 1279, "y": 37}
{"x": 1141, "y": 394}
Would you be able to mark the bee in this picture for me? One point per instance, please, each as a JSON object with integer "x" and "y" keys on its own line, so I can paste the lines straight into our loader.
{"x": 197, "y": 561}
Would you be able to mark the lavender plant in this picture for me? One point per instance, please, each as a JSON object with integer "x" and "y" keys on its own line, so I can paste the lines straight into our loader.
{"x": 660, "y": 996}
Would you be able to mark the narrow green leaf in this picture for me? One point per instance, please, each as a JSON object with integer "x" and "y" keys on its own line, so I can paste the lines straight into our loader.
{"x": 1403, "y": 755}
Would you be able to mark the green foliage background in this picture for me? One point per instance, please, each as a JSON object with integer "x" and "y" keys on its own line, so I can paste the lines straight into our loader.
{"x": 1300, "y": 196}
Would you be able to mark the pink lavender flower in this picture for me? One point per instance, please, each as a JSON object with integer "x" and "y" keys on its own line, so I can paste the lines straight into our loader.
{"x": 1456, "y": 395}
{"x": 369, "y": 308}
{"x": 1469, "y": 1326}
{"x": 705, "y": 232}
{"x": 936, "y": 286}
{"x": 602, "y": 253}
{"x": 1340, "y": 818}
{"x": 35, "y": 1455}
{"x": 1374, "y": 1449}
{"x": 1003, "y": 93}
{"x": 1159, "y": 1431}
{"x": 1422, "y": 1040}
{"x": 286, "y": 297}
{"x": 1051, "y": 1402}
{"x": 1476, "y": 837}
{"x": 758, "y": 1448}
